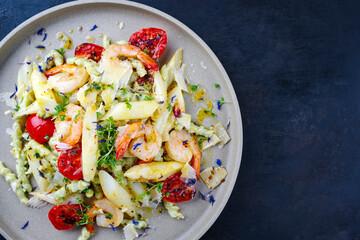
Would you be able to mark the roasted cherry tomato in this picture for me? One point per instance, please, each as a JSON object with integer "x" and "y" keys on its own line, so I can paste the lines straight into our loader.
{"x": 151, "y": 40}
{"x": 175, "y": 189}
{"x": 176, "y": 111}
{"x": 69, "y": 163}
{"x": 142, "y": 80}
{"x": 41, "y": 130}
{"x": 64, "y": 217}
{"x": 89, "y": 51}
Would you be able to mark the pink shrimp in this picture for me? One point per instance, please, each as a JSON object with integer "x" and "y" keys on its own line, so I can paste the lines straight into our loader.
{"x": 116, "y": 50}
{"x": 70, "y": 126}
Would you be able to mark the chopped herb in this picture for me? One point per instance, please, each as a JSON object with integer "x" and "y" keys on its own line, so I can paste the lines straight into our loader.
{"x": 62, "y": 117}
{"x": 61, "y": 107}
{"x": 65, "y": 180}
{"x": 76, "y": 116}
{"x": 37, "y": 155}
{"x": 109, "y": 216}
{"x": 148, "y": 98}
{"x": 47, "y": 137}
{"x": 169, "y": 107}
{"x": 98, "y": 115}
{"x": 193, "y": 87}
{"x": 159, "y": 186}
{"x": 217, "y": 85}
{"x": 78, "y": 200}
{"x": 93, "y": 28}
{"x": 123, "y": 92}
{"x": 201, "y": 139}
{"x": 167, "y": 194}
{"x": 25, "y": 225}
{"x": 17, "y": 108}
{"x": 74, "y": 152}
{"x": 128, "y": 105}
{"x": 146, "y": 51}
{"x": 106, "y": 148}
{"x": 221, "y": 102}
{"x": 86, "y": 190}
{"x": 61, "y": 51}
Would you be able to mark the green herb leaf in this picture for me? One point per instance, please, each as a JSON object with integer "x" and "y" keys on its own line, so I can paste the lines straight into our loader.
{"x": 128, "y": 105}
{"x": 217, "y": 85}
{"x": 107, "y": 149}
{"x": 17, "y": 108}
{"x": 193, "y": 87}
{"x": 61, "y": 51}
{"x": 146, "y": 51}
{"x": 148, "y": 98}
{"x": 47, "y": 137}
{"x": 76, "y": 116}
{"x": 169, "y": 107}
{"x": 201, "y": 139}
{"x": 61, "y": 107}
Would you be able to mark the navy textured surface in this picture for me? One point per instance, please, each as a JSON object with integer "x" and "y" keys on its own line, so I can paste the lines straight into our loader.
{"x": 295, "y": 68}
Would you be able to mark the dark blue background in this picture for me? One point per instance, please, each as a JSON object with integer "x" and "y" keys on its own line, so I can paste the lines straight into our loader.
{"x": 295, "y": 68}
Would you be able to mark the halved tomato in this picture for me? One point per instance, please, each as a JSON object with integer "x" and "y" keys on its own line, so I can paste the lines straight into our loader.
{"x": 41, "y": 130}
{"x": 151, "y": 40}
{"x": 175, "y": 189}
{"x": 89, "y": 51}
{"x": 64, "y": 217}
{"x": 69, "y": 163}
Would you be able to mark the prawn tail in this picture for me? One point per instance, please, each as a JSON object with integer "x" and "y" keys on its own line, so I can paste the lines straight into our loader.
{"x": 195, "y": 163}
{"x": 90, "y": 225}
{"x": 148, "y": 61}
{"x": 121, "y": 148}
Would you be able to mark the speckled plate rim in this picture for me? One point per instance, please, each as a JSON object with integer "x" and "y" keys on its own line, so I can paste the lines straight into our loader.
{"x": 207, "y": 223}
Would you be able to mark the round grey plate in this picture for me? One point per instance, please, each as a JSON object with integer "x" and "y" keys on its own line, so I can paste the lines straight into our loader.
{"x": 204, "y": 68}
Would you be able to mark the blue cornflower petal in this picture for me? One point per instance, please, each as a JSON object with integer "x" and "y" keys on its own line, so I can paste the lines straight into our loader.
{"x": 93, "y": 28}
{"x": 135, "y": 222}
{"x": 218, "y": 162}
{"x": 136, "y": 145}
{"x": 45, "y": 35}
{"x": 26, "y": 224}
{"x": 112, "y": 227}
{"x": 40, "y": 31}
{"x": 12, "y": 95}
{"x": 211, "y": 200}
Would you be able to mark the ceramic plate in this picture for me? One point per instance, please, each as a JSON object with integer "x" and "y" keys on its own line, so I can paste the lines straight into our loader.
{"x": 204, "y": 68}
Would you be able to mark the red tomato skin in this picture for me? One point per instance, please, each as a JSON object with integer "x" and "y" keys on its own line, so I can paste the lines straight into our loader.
{"x": 64, "y": 217}
{"x": 39, "y": 128}
{"x": 176, "y": 190}
{"x": 69, "y": 163}
{"x": 153, "y": 40}
{"x": 89, "y": 51}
